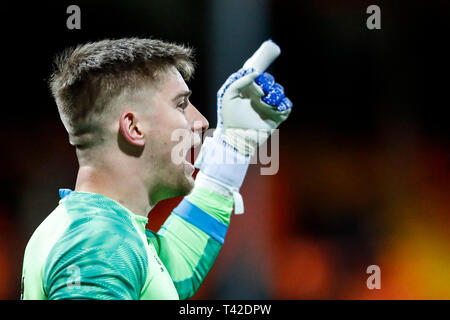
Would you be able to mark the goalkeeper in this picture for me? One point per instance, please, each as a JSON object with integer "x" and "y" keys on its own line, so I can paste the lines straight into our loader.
{"x": 120, "y": 101}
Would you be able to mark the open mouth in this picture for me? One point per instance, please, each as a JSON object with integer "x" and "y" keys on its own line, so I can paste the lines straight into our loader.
{"x": 189, "y": 159}
{"x": 186, "y": 152}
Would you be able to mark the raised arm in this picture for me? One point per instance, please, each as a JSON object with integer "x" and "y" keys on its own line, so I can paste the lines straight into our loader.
{"x": 250, "y": 106}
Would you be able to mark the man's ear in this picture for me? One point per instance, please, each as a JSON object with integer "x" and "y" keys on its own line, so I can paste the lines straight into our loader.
{"x": 130, "y": 129}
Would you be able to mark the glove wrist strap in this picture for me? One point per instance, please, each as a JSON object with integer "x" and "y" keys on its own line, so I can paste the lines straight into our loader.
{"x": 222, "y": 162}
{"x": 224, "y": 190}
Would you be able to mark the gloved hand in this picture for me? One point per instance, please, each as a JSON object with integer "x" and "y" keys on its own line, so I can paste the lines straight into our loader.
{"x": 249, "y": 108}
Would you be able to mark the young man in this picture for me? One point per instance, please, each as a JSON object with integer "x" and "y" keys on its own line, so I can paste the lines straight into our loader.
{"x": 120, "y": 102}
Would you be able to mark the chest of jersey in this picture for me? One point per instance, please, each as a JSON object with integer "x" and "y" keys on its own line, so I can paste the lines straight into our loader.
{"x": 159, "y": 284}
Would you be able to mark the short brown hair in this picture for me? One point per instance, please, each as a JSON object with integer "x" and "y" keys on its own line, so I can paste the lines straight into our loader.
{"x": 87, "y": 77}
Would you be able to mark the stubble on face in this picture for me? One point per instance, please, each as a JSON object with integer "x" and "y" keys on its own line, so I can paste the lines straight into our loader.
{"x": 162, "y": 119}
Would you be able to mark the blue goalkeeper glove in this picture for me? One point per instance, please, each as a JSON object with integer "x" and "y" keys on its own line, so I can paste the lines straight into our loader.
{"x": 250, "y": 106}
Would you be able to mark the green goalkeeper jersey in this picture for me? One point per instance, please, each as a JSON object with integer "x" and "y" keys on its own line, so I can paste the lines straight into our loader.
{"x": 92, "y": 247}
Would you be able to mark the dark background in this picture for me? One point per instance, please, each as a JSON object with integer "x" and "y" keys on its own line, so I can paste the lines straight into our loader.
{"x": 364, "y": 157}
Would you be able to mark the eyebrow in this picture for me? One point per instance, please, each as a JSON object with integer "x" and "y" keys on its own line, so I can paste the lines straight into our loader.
{"x": 183, "y": 94}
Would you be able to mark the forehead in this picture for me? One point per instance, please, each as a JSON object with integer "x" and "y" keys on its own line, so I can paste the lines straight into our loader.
{"x": 172, "y": 82}
{"x": 169, "y": 84}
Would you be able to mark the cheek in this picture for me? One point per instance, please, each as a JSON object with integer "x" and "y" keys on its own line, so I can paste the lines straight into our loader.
{"x": 165, "y": 135}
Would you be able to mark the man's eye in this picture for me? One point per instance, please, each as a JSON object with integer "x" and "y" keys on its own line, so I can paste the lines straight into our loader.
{"x": 182, "y": 106}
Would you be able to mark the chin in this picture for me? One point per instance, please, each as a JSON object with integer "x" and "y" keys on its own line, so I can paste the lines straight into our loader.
{"x": 176, "y": 182}
{"x": 182, "y": 187}
{"x": 187, "y": 185}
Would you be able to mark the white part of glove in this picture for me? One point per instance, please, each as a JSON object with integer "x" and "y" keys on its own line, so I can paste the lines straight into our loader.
{"x": 248, "y": 121}
{"x": 245, "y": 121}
{"x": 247, "y": 113}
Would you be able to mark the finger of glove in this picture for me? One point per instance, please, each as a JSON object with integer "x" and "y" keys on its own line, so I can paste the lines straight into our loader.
{"x": 265, "y": 81}
{"x": 237, "y": 86}
{"x": 231, "y": 79}
{"x": 263, "y": 57}
{"x": 275, "y": 95}
{"x": 285, "y": 104}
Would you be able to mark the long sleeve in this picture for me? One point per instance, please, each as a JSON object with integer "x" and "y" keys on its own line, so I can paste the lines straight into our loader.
{"x": 191, "y": 238}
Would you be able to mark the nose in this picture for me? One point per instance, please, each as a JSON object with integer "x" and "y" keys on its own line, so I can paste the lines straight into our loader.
{"x": 196, "y": 119}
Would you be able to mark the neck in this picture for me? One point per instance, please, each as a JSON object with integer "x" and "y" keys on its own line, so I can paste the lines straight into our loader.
{"x": 118, "y": 185}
